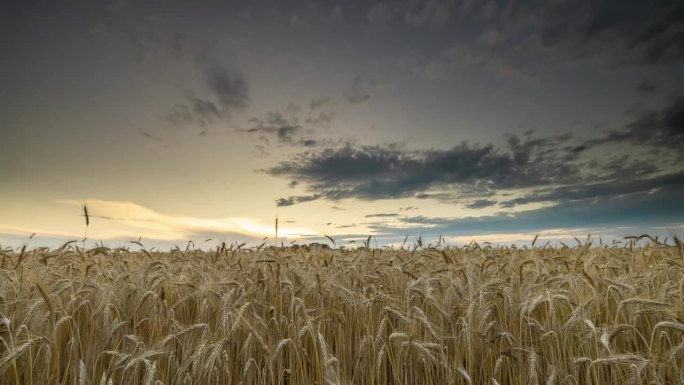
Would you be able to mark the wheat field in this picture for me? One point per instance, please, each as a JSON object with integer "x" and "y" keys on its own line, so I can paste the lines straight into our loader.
{"x": 312, "y": 315}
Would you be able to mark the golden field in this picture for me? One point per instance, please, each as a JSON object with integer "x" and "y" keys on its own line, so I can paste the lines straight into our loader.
{"x": 313, "y": 315}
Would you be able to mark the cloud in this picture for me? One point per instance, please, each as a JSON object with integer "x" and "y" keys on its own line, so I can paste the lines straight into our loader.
{"x": 323, "y": 119}
{"x": 359, "y": 90}
{"x": 646, "y": 88}
{"x": 282, "y": 127}
{"x": 320, "y": 102}
{"x": 530, "y": 41}
{"x": 24, "y": 232}
{"x": 435, "y": 12}
{"x": 382, "y": 12}
{"x": 521, "y": 63}
{"x": 226, "y": 93}
{"x": 382, "y": 215}
{"x": 663, "y": 128}
{"x": 623, "y": 33}
{"x": 481, "y": 203}
{"x": 289, "y": 201}
{"x": 293, "y": 125}
{"x": 643, "y": 211}
{"x": 520, "y": 171}
{"x": 614, "y": 187}
{"x": 146, "y": 34}
{"x": 229, "y": 87}
{"x": 351, "y": 225}
{"x": 414, "y": 13}
{"x": 381, "y": 172}
{"x": 150, "y": 136}
{"x": 221, "y": 92}
{"x": 491, "y": 36}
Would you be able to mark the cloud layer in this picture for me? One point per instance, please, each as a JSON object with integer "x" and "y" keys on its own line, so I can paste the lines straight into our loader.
{"x": 521, "y": 171}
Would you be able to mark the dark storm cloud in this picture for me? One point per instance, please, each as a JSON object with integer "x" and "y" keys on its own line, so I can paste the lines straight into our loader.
{"x": 663, "y": 128}
{"x": 378, "y": 172}
{"x": 612, "y": 188}
{"x": 543, "y": 169}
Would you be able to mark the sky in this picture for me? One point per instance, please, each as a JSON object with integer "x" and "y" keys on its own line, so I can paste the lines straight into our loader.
{"x": 486, "y": 120}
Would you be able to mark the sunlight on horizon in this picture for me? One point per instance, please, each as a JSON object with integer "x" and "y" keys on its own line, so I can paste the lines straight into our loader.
{"x": 123, "y": 221}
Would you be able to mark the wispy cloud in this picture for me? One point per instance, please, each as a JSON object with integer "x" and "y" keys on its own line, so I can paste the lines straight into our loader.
{"x": 283, "y": 128}
{"x": 119, "y": 219}
{"x": 548, "y": 235}
{"x": 226, "y": 93}
{"x": 293, "y": 125}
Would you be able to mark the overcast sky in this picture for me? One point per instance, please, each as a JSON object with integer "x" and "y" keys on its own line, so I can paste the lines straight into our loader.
{"x": 487, "y": 120}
